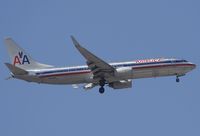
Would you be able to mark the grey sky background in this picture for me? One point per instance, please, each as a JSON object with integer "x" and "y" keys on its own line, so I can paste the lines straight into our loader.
{"x": 115, "y": 31}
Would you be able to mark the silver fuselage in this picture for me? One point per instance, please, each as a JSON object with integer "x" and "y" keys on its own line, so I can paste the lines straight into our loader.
{"x": 82, "y": 74}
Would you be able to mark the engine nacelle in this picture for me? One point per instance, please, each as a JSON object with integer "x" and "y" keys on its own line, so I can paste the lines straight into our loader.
{"x": 126, "y": 72}
{"x": 121, "y": 84}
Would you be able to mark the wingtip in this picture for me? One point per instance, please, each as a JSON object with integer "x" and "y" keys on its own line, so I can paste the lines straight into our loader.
{"x": 72, "y": 37}
{"x": 75, "y": 42}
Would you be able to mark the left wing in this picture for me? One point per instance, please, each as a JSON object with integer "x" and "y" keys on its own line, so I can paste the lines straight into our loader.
{"x": 99, "y": 68}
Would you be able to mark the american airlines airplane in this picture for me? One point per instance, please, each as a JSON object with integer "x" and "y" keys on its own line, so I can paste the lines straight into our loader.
{"x": 97, "y": 72}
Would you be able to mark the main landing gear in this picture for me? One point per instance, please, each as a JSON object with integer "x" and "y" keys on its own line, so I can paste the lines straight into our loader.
{"x": 102, "y": 84}
{"x": 101, "y": 90}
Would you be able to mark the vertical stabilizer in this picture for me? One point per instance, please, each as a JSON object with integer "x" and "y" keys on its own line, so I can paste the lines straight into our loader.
{"x": 21, "y": 59}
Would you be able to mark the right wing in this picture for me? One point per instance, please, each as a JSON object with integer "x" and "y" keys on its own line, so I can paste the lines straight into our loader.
{"x": 99, "y": 68}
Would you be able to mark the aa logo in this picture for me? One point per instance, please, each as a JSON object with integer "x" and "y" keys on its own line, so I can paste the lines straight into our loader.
{"x": 21, "y": 59}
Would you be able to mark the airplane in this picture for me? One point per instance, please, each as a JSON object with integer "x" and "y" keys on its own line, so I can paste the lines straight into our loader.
{"x": 97, "y": 72}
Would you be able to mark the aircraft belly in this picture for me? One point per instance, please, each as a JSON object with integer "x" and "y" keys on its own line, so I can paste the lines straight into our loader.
{"x": 142, "y": 73}
{"x": 72, "y": 79}
{"x": 159, "y": 72}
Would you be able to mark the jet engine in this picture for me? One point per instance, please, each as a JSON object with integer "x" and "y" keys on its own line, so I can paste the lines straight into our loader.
{"x": 124, "y": 72}
{"x": 121, "y": 84}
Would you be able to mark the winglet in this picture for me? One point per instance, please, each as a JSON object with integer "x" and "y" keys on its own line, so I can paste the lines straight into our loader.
{"x": 93, "y": 59}
{"x": 78, "y": 46}
{"x": 75, "y": 42}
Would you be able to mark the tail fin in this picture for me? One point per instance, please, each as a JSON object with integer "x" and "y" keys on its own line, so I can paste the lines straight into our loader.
{"x": 20, "y": 58}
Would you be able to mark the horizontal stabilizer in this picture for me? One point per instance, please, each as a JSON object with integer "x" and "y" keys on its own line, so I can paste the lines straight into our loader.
{"x": 15, "y": 70}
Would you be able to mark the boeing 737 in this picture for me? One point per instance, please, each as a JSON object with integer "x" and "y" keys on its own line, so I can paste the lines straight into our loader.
{"x": 97, "y": 72}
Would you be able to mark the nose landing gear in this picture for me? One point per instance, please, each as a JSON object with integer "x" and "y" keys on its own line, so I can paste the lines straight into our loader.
{"x": 177, "y": 79}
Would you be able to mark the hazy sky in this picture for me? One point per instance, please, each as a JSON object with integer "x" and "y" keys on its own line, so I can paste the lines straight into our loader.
{"x": 115, "y": 31}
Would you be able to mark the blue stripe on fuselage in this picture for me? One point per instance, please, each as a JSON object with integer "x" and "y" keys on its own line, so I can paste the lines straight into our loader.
{"x": 85, "y": 68}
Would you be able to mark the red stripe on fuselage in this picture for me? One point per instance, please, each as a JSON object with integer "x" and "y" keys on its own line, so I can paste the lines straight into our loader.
{"x": 140, "y": 67}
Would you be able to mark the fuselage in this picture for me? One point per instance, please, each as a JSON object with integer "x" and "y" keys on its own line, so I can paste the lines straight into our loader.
{"x": 147, "y": 68}
{"x": 96, "y": 72}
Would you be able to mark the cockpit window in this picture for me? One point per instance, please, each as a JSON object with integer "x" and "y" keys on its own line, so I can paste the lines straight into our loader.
{"x": 178, "y": 61}
{"x": 184, "y": 60}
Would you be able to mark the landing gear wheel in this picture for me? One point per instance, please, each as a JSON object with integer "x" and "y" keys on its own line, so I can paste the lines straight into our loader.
{"x": 101, "y": 90}
{"x": 177, "y": 79}
{"x": 102, "y": 84}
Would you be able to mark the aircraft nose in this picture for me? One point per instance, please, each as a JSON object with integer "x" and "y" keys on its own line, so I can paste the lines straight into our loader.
{"x": 193, "y": 66}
